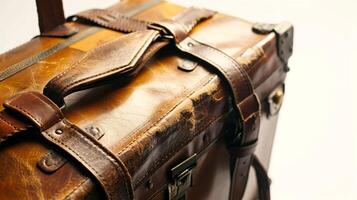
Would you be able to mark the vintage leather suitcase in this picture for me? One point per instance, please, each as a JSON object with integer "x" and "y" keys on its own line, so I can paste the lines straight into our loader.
{"x": 130, "y": 103}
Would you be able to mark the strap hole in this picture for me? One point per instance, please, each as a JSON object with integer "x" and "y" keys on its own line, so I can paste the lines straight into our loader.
{"x": 190, "y": 44}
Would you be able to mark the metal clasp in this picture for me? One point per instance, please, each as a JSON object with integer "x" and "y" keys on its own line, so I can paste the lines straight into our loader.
{"x": 181, "y": 178}
{"x": 275, "y": 99}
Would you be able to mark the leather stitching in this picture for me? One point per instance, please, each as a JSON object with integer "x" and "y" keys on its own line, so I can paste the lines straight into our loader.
{"x": 55, "y": 109}
{"x": 28, "y": 113}
{"x": 8, "y": 123}
{"x": 16, "y": 130}
{"x": 76, "y": 187}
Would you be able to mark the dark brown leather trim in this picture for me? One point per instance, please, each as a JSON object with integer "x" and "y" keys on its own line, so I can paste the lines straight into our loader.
{"x": 262, "y": 179}
{"x": 63, "y": 30}
{"x": 50, "y": 14}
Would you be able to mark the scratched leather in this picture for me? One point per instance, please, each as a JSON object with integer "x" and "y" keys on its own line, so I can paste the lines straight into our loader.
{"x": 144, "y": 120}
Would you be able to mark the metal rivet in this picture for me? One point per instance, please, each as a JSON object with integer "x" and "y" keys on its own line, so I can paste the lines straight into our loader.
{"x": 286, "y": 34}
{"x": 58, "y": 131}
{"x": 190, "y": 44}
{"x": 94, "y": 131}
{"x": 74, "y": 19}
{"x": 48, "y": 162}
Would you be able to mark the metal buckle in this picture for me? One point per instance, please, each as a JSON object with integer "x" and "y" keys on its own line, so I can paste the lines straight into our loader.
{"x": 181, "y": 178}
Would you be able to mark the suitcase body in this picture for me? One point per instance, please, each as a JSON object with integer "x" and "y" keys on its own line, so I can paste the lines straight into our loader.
{"x": 172, "y": 118}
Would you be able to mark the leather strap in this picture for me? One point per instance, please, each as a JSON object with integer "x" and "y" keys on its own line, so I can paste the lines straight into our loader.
{"x": 262, "y": 179}
{"x": 50, "y": 14}
{"x": 246, "y": 103}
{"x": 46, "y": 117}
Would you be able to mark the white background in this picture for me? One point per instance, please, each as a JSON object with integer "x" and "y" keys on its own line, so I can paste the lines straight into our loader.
{"x": 315, "y": 151}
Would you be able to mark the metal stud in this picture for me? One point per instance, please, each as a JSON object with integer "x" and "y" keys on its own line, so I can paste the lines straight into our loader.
{"x": 58, "y": 131}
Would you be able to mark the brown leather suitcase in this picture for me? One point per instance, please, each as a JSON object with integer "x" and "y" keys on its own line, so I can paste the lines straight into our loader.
{"x": 143, "y": 100}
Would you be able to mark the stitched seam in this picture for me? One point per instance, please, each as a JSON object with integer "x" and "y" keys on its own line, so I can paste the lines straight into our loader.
{"x": 76, "y": 187}
{"x": 31, "y": 116}
{"x": 51, "y": 105}
{"x": 129, "y": 25}
{"x": 16, "y": 130}
{"x": 8, "y": 122}
{"x": 162, "y": 117}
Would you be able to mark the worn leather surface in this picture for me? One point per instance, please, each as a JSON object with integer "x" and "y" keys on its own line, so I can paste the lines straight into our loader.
{"x": 110, "y": 172}
{"x": 147, "y": 120}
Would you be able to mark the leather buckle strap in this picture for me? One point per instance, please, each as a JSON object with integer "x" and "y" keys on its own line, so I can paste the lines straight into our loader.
{"x": 97, "y": 159}
{"x": 246, "y": 103}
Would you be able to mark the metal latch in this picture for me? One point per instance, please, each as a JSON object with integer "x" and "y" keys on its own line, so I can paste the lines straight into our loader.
{"x": 275, "y": 100}
{"x": 181, "y": 178}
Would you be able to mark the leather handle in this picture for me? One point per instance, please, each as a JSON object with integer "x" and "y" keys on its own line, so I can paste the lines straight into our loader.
{"x": 122, "y": 58}
{"x": 50, "y": 14}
